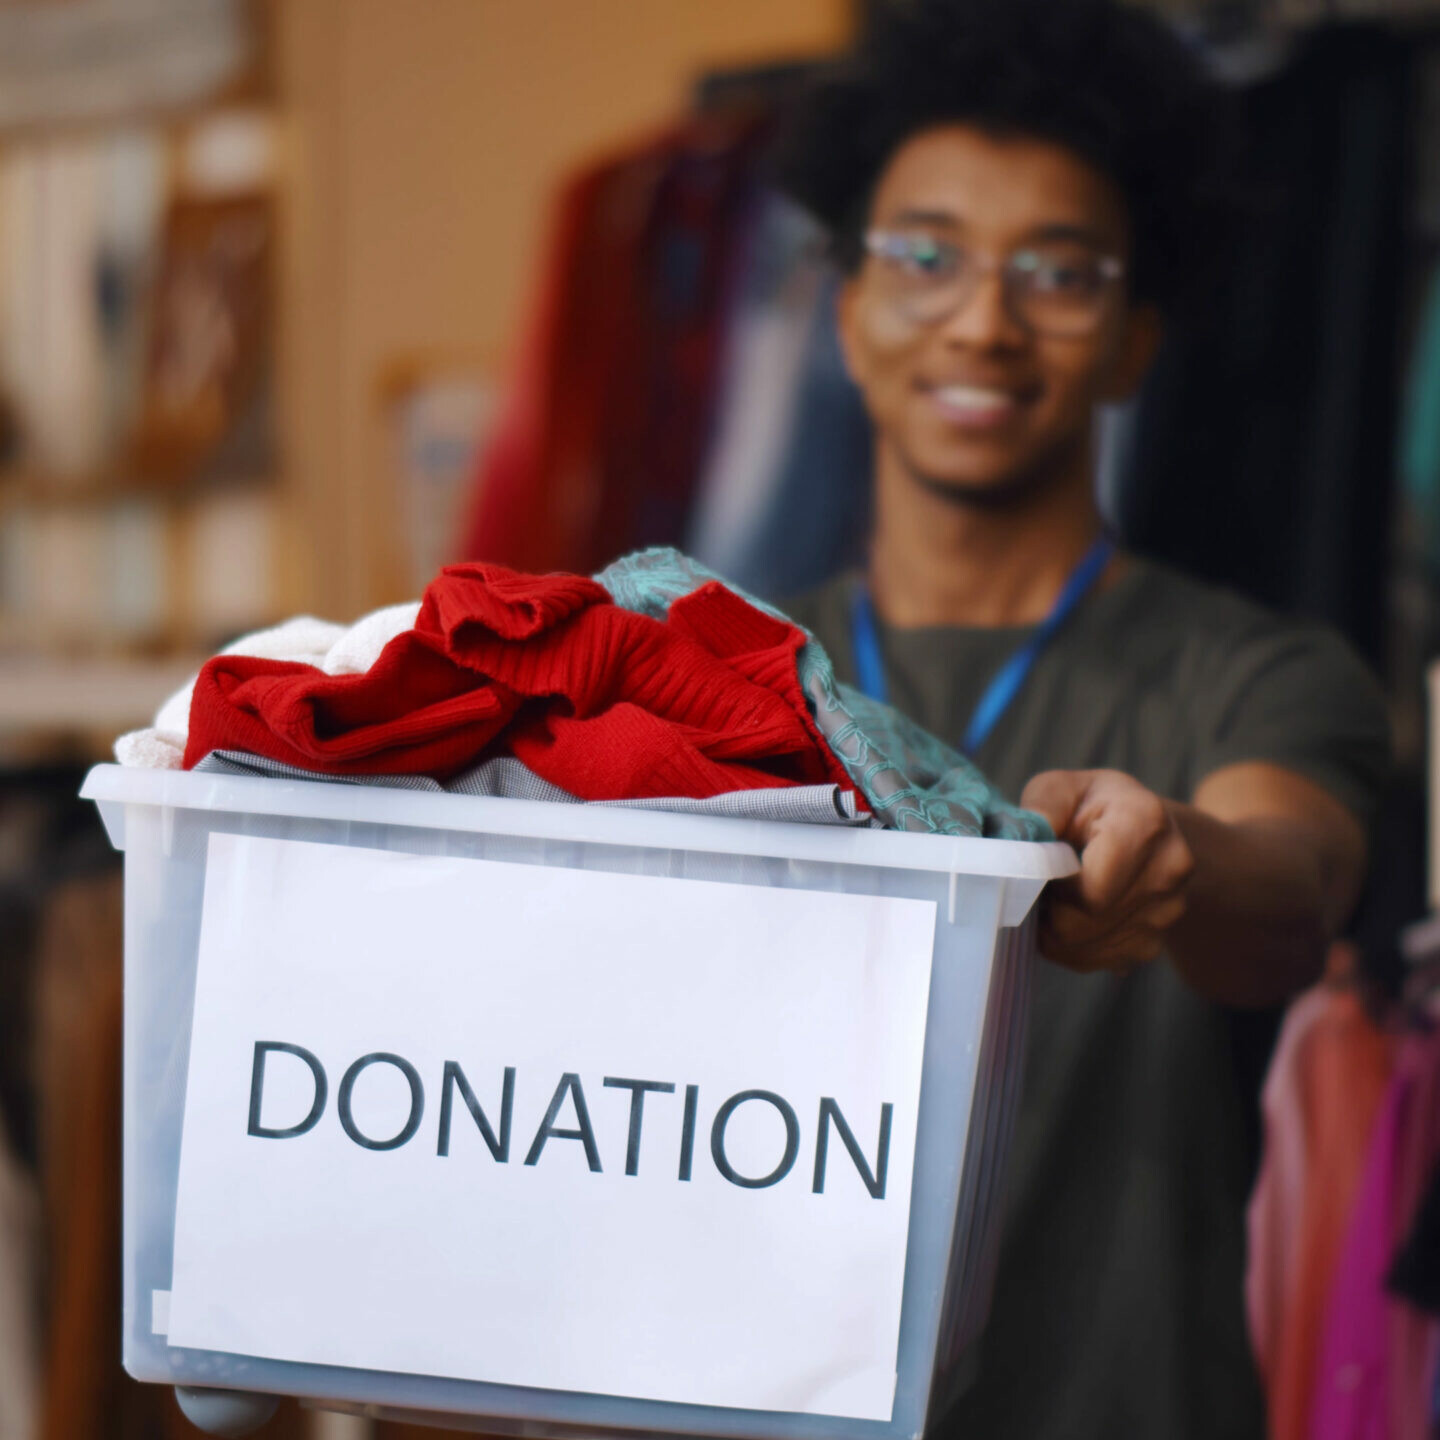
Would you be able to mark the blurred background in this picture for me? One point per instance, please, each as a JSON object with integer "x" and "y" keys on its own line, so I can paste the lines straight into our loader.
{"x": 300, "y": 300}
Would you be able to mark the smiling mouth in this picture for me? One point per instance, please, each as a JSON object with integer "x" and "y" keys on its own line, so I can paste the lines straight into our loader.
{"x": 977, "y": 407}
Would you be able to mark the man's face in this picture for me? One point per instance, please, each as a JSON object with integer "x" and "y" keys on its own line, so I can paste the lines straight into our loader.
{"x": 980, "y": 402}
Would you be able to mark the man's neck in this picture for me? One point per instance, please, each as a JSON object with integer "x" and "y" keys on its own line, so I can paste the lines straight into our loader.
{"x": 939, "y": 561}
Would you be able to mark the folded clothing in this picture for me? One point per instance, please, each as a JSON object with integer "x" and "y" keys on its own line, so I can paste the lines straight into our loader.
{"x": 600, "y": 701}
{"x": 906, "y": 778}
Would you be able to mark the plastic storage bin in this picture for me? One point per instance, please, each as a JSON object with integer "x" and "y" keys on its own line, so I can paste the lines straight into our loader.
{"x": 985, "y": 893}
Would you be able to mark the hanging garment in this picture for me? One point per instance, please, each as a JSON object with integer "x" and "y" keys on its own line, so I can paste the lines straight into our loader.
{"x": 784, "y": 500}
{"x": 1415, "y": 1275}
{"x": 1326, "y": 1084}
{"x": 19, "y": 1296}
{"x": 681, "y": 376}
{"x": 535, "y": 486}
{"x": 1414, "y": 1338}
{"x": 1263, "y": 457}
{"x": 818, "y": 522}
{"x": 767, "y": 332}
{"x": 602, "y": 440}
{"x": 1420, "y": 441}
{"x": 620, "y": 706}
{"x": 1377, "y": 1360}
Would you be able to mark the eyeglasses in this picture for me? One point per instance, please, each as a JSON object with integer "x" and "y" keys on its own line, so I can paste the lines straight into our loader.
{"x": 1056, "y": 288}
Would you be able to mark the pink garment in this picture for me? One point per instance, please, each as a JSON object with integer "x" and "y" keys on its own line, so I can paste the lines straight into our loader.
{"x": 1376, "y": 1371}
{"x": 1326, "y": 1083}
{"x": 1414, "y": 1334}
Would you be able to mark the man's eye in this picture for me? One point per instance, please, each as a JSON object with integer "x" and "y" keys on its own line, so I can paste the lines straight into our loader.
{"x": 1053, "y": 276}
{"x": 930, "y": 258}
{"x": 1066, "y": 277}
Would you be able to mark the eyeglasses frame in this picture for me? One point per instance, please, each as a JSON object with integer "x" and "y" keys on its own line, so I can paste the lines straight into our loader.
{"x": 881, "y": 244}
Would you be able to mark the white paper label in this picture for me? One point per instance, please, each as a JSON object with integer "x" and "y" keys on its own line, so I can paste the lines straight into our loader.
{"x": 692, "y": 1180}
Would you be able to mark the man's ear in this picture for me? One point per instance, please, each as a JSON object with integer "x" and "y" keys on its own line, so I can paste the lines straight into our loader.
{"x": 1140, "y": 343}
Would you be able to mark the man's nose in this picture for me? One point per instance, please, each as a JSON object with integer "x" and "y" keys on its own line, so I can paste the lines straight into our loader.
{"x": 983, "y": 319}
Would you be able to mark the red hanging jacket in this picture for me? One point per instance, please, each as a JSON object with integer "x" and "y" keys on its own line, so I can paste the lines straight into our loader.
{"x": 603, "y": 435}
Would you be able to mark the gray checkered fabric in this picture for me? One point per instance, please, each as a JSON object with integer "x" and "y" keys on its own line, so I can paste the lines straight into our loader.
{"x": 241, "y": 762}
{"x": 799, "y": 804}
{"x": 507, "y": 778}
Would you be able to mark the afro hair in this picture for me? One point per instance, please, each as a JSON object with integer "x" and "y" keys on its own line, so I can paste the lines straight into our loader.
{"x": 1102, "y": 79}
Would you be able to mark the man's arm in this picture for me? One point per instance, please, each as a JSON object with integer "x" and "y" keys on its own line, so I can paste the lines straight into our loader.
{"x": 1244, "y": 887}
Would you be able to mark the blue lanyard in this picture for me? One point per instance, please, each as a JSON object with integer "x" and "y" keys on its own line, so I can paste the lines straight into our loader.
{"x": 870, "y": 670}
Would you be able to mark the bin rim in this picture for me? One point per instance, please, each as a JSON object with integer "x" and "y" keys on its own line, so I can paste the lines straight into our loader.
{"x": 1041, "y": 861}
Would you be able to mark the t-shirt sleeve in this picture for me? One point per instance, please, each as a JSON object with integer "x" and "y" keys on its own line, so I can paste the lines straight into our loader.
{"x": 1297, "y": 696}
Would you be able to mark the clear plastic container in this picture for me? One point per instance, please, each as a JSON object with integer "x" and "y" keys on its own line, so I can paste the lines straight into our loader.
{"x": 985, "y": 892}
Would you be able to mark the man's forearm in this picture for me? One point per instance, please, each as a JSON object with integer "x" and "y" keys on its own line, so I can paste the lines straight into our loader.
{"x": 1244, "y": 887}
{"x": 1261, "y": 907}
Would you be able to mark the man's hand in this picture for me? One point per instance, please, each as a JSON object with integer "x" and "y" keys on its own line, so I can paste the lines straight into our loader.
{"x": 1243, "y": 888}
{"x": 1135, "y": 866}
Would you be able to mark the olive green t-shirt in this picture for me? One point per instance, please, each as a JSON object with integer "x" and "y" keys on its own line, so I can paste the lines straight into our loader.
{"x": 1118, "y": 1305}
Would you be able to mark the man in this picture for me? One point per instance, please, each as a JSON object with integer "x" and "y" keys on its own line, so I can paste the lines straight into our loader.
{"x": 1011, "y": 185}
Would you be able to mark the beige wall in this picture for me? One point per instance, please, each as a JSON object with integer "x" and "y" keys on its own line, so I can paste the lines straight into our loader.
{"x": 426, "y": 139}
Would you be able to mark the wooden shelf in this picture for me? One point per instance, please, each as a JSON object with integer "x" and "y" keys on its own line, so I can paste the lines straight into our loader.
{"x": 22, "y": 486}
{"x": 43, "y": 696}
{"x": 98, "y": 66}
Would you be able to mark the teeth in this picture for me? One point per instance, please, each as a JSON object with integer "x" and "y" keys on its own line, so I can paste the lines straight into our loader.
{"x": 971, "y": 397}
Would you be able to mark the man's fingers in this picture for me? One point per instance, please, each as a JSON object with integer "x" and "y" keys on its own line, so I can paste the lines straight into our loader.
{"x": 1134, "y": 868}
{"x": 1117, "y": 954}
{"x": 1123, "y": 832}
{"x": 1076, "y": 926}
{"x": 1172, "y": 864}
{"x": 1165, "y": 912}
{"x": 1055, "y": 794}
{"x": 1126, "y": 848}
{"x": 1083, "y": 942}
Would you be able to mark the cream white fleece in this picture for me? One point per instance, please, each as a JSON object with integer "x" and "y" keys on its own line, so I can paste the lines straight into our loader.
{"x": 303, "y": 640}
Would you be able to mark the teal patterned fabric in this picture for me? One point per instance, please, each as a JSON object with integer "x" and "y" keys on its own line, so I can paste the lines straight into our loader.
{"x": 912, "y": 780}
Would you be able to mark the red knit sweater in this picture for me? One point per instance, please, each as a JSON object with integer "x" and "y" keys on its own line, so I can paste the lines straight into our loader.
{"x": 603, "y": 702}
